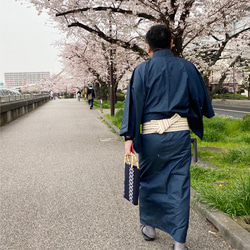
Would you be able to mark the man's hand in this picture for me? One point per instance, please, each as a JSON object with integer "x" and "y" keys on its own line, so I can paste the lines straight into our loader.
{"x": 128, "y": 147}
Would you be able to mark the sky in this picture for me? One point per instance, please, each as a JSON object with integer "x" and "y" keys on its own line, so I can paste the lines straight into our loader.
{"x": 26, "y": 40}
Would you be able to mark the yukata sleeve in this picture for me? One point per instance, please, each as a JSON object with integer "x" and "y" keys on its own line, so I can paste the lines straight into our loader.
{"x": 133, "y": 110}
{"x": 200, "y": 103}
{"x": 128, "y": 124}
{"x": 207, "y": 108}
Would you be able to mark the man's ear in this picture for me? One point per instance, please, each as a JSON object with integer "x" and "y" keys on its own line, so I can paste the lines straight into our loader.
{"x": 171, "y": 43}
{"x": 149, "y": 51}
{"x": 148, "y": 48}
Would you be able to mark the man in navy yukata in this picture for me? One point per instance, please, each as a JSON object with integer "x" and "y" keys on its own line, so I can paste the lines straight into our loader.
{"x": 166, "y": 96}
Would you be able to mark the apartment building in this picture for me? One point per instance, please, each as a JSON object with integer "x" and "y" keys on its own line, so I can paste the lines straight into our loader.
{"x": 16, "y": 79}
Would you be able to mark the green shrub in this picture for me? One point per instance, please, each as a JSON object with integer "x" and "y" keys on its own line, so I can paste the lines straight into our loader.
{"x": 119, "y": 105}
{"x": 120, "y": 96}
{"x": 212, "y": 135}
{"x": 220, "y": 129}
{"x": 106, "y": 104}
{"x": 232, "y": 126}
{"x": 246, "y": 138}
{"x": 217, "y": 123}
{"x": 234, "y": 156}
{"x": 246, "y": 123}
{"x": 238, "y": 155}
{"x": 214, "y": 129}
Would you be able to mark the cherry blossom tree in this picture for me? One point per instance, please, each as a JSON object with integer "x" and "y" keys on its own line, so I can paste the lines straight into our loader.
{"x": 91, "y": 59}
{"x": 82, "y": 64}
{"x": 203, "y": 30}
{"x": 246, "y": 81}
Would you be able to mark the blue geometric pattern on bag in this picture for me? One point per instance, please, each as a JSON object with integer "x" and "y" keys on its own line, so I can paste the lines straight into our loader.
{"x": 131, "y": 184}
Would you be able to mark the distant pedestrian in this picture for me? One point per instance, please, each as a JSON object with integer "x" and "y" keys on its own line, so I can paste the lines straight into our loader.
{"x": 165, "y": 97}
{"x": 51, "y": 95}
{"x": 79, "y": 93}
{"x": 90, "y": 96}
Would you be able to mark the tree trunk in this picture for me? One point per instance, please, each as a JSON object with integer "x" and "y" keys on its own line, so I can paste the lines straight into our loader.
{"x": 101, "y": 91}
{"x": 177, "y": 48}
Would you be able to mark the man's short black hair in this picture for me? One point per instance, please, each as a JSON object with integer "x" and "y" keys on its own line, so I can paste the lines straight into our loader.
{"x": 158, "y": 37}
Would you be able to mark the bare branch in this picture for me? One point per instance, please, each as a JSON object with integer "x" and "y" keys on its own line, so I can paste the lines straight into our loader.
{"x": 223, "y": 77}
{"x": 112, "y": 40}
{"x": 114, "y": 10}
{"x": 224, "y": 43}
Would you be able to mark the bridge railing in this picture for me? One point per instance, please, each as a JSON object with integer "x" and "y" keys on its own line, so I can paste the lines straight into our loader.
{"x": 13, "y": 98}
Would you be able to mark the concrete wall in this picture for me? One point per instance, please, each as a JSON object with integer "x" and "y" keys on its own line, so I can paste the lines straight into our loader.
{"x": 10, "y": 111}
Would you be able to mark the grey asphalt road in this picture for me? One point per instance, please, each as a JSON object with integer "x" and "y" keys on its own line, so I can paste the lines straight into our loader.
{"x": 231, "y": 111}
{"x": 61, "y": 183}
{"x": 231, "y": 108}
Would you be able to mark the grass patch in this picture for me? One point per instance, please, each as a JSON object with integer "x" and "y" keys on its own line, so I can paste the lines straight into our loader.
{"x": 116, "y": 119}
{"x": 228, "y": 187}
{"x": 106, "y": 104}
{"x": 230, "y": 96}
{"x": 217, "y": 190}
{"x": 230, "y": 135}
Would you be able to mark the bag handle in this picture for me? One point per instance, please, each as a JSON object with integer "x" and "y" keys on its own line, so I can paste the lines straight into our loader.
{"x": 133, "y": 157}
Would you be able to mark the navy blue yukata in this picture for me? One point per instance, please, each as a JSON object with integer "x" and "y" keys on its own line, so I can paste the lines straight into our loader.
{"x": 159, "y": 88}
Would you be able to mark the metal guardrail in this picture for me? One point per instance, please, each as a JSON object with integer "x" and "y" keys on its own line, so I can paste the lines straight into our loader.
{"x": 13, "y": 98}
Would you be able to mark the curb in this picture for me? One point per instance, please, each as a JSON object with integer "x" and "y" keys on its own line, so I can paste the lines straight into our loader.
{"x": 230, "y": 230}
{"x": 228, "y": 102}
{"x": 117, "y": 130}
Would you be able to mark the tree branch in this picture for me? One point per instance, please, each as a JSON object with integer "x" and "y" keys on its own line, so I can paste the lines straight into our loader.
{"x": 224, "y": 43}
{"x": 187, "y": 6}
{"x": 114, "y": 10}
{"x": 112, "y": 40}
{"x": 223, "y": 77}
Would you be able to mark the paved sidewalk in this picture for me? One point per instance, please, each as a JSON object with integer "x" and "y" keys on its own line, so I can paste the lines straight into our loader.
{"x": 62, "y": 187}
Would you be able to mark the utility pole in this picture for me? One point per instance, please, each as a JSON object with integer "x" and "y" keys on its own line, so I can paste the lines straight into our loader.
{"x": 234, "y": 68}
{"x": 111, "y": 91}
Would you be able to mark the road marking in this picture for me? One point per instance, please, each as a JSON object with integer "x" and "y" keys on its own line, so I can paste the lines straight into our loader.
{"x": 244, "y": 112}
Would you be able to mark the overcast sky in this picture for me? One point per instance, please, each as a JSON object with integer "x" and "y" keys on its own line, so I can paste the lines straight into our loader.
{"x": 26, "y": 40}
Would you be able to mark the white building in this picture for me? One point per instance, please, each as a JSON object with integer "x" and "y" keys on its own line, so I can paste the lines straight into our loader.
{"x": 16, "y": 79}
